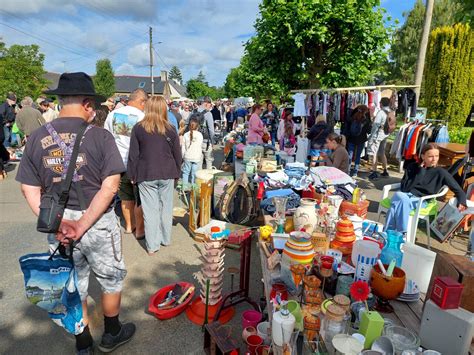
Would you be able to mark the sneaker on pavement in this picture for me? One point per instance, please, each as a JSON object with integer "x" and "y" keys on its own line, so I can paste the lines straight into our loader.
{"x": 87, "y": 351}
{"x": 385, "y": 174}
{"x": 111, "y": 342}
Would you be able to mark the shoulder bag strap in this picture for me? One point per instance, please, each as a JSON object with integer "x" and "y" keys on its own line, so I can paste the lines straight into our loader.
{"x": 66, "y": 183}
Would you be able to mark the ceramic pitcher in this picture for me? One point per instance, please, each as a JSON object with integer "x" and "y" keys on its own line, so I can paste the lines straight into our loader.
{"x": 305, "y": 215}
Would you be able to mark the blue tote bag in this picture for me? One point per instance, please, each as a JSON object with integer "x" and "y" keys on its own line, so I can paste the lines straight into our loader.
{"x": 50, "y": 283}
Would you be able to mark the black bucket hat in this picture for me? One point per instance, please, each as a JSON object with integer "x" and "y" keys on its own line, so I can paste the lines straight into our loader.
{"x": 75, "y": 84}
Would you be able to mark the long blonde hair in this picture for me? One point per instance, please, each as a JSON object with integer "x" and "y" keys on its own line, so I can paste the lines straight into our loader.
{"x": 156, "y": 116}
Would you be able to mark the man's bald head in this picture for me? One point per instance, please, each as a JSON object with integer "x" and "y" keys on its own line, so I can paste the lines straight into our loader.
{"x": 138, "y": 99}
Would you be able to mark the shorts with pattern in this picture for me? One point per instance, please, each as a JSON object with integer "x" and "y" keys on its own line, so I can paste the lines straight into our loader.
{"x": 99, "y": 251}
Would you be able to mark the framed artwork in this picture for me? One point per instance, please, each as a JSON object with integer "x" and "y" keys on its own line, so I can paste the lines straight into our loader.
{"x": 446, "y": 222}
{"x": 420, "y": 115}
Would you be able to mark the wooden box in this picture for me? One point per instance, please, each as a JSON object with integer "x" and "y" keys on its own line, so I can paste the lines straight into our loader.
{"x": 460, "y": 269}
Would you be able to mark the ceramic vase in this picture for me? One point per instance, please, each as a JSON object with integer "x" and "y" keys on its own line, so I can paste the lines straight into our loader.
{"x": 305, "y": 215}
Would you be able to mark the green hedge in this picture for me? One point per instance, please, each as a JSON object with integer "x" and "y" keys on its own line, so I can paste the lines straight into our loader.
{"x": 449, "y": 74}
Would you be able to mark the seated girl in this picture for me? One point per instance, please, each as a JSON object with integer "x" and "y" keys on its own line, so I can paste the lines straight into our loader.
{"x": 420, "y": 179}
{"x": 339, "y": 158}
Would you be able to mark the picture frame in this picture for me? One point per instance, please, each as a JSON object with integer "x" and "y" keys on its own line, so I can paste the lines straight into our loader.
{"x": 446, "y": 222}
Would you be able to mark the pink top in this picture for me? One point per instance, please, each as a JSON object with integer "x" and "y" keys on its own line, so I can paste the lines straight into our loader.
{"x": 256, "y": 129}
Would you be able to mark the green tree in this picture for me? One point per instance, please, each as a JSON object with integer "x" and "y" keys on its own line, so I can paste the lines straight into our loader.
{"x": 449, "y": 71}
{"x": 201, "y": 77}
{"x": 406, "y": 40}
{"x": 104, "y": 80}
{"x": 318, "y": 43}
{"x": 21, "y": 69}
{"x": 466, "y": 13}
{"x": 175, "y": 73}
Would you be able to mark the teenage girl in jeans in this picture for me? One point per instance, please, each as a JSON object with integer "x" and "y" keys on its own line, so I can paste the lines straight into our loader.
{"x": 192, "y": 152}
{"x": 357, "y": 129}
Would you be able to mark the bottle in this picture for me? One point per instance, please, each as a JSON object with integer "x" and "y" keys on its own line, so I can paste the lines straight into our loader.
{"x": 356, "y": 195}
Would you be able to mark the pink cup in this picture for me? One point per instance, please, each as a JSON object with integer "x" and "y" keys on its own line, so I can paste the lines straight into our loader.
{"x": 253, "y": 342}
{"x": 251, "y": 318}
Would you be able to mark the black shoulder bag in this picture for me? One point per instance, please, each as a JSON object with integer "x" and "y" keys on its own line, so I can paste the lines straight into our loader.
{"x": 53, "y": 204}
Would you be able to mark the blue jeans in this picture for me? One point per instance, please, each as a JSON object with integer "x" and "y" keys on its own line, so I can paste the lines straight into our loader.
{"x": 400, "y": 208}
{"x": 357, "y": 150}
{"x": 157, "y": 203}
{"x": 273, "y": 135}
{"x": 7, "y": 133}
{"x": 189, "y": 171}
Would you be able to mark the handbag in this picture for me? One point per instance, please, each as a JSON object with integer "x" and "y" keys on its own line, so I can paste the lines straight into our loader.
{"x": 53, "y": 204}
{"x": 51, "y": 284}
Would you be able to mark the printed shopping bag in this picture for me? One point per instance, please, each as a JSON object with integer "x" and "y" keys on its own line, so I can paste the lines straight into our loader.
{"x": 50, "y": 283}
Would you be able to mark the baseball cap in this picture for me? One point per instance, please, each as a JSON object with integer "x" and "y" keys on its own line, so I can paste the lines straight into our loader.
{"x": 11, "y": 96}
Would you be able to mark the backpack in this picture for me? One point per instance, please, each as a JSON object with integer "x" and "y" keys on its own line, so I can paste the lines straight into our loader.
{"x": 356, "y": 128}
{"x": 203, "y": 127}
{"x": 236, "y": 205}
{"x": 390, "y": 124}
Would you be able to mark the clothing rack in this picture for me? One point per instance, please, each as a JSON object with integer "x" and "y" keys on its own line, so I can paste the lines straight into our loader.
{"x": 357, "y": 88}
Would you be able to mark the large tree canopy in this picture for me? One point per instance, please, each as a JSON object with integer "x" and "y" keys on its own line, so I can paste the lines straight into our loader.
{"x": 316, "y": 43}
{"x": 21, "y": 69}
{"x": 406, "y": 40}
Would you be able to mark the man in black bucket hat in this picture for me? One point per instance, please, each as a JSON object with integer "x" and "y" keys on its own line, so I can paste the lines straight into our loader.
{"x": 89, "y": 218}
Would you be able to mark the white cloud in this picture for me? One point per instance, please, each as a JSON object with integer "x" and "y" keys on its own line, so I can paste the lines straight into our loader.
{"x": 138, "y": 9}
{"x": 231, "y": 52}
{"x": 125, "y": 68}
{"x": 139, "y": 54}
{"x": 195, "y": 34}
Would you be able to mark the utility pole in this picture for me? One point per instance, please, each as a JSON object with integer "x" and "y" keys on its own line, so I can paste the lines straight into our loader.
{"x": 420, "y": 63}
{"x": 151, "y": 63}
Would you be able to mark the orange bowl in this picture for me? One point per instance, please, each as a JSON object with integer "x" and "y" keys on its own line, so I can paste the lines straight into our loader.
{"x": 387, "y": 288}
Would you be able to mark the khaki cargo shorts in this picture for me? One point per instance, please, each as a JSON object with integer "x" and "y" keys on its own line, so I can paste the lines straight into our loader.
{"x": 99, "y": 251}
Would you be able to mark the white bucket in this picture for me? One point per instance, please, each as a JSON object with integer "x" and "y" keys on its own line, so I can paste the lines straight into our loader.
{"x": 418, "y": 264}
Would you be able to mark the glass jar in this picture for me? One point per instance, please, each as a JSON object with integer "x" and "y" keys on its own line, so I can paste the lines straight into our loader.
{"x": 333, "y": 322}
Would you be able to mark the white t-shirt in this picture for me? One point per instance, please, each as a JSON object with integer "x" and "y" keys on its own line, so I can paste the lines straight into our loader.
{"x": 192, "y": 150}
{"x": 300, "y": 108}
{"x": 120, "y": 122}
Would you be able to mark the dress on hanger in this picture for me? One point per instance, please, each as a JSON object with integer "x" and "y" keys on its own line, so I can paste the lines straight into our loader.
{"x": 300, "y": 108}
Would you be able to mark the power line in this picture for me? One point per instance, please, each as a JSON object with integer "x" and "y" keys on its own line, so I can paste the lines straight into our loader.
{"x": 161, "y": 59}
{"x": 50, "y": 32}
{"x": 44, "y": 40}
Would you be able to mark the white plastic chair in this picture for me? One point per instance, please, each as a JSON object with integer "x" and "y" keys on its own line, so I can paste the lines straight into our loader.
{"x": 412, "y": 219}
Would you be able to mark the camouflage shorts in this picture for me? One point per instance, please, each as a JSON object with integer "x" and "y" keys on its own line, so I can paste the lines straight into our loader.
{"x": 99, "y": 250}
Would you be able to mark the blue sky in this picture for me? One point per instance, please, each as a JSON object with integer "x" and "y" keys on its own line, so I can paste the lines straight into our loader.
{"x": 195, "y": 35}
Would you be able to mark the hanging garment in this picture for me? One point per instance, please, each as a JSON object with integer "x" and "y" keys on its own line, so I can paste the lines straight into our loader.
{"x": 302, "y": 145}
{"x": 300, "y": 109}
{"x": 407, "y": 103}
{"x": 443, "y": 136}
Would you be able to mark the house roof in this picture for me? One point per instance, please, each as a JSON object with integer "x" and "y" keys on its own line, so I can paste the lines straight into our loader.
{"x": 127, "y": 83}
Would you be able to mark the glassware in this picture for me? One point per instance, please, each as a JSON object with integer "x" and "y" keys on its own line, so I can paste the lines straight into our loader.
{"x": 333, "y": 322}
{"x": 280, "y": 211}
{"x": 391, "y": 249}
{"x": 344, "y": 283}
{"x": 402, "y": 338}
